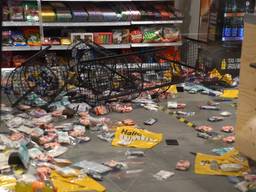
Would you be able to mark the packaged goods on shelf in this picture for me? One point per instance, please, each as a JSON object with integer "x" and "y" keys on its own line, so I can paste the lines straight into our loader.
{"x": 6, "y": 13}
{"x": 164, "y": 14}
{"x": 136, "y": 36}
{"x": 78, "y": 13}
{"x": 108, "y": 14}
{"x": 94, "y": 13}
{"x": 121, "y": 36}
{"x": 57, "y": 5}
{"x": 16, "y": 12}
{"x": 134, "y": 12}
{"x": 6, "y": 38}
{"x": 18, "y": 38}
{"x": 171, "y": 34}
{"x": 63, "y": 13}
{"x": 82, "y": 12}
{"x": 152, "y": 34}
{"x": 147, "y": 14}
{"x": 65, "y": 41}
{"x": 31, "y": 11}
{"x": 81, "y": 36}
{"x": 51, "y": 41}
{"x": 155, "y": 34}
{"x": 55, "y": 41}
{"x": 32, "y": 36}
{"x": 122, "y": 11}
{"x": 48, "y": 14}
{"x": 47, "y": 41}
{"x": 103, "y": 37}
{"x": 176, "y": 12}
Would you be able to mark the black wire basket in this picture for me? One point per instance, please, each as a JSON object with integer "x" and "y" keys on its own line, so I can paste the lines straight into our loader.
{"x": 122, "y": 76}
{"x": 35, "y": 82}
{"x": 96, "y": 76}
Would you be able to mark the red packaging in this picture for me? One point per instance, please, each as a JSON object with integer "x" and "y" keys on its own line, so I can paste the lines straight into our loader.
{"x": 136, "y": 36}
{"x": 100, "y": 110}
{"x": 47, "y": 41}
{"x": 103, "y": 38}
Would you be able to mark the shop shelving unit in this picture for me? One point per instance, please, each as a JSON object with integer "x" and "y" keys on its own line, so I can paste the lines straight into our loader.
{"x": 43, "y": 26}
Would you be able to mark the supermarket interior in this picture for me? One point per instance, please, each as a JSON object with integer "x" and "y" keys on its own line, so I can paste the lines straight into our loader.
{"x": 128, "y": 96}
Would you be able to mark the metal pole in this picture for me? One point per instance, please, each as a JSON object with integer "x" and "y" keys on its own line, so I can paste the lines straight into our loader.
{"x": 40, "y": 21}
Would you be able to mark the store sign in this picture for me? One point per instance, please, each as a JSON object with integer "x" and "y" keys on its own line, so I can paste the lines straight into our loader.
{"x": 133, "y": 137}
{"x": 230, "y": 64}
{"x": 229, "y": 164}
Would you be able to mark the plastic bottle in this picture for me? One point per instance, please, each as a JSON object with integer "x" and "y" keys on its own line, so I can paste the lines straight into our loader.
{"x": 227, "y": 28}
{"x": 247, "y": 6}
{"x": 241, "y": 27}
{"x": 234, "y": 6}
{"x": 234, "y": 32}
{"x": 228, "y": 6}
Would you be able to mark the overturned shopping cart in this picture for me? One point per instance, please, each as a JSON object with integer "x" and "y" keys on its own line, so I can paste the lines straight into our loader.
{"x": 95, "y": 75}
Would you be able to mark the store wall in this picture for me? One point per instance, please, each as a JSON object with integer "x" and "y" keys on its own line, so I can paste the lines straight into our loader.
{"x": 191, "y": 11}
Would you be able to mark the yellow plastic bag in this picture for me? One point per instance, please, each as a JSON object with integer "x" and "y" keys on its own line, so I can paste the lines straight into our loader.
{"x": 67, "y": 184}
{"x": 132, "y": 137}
{"x": 230, "y": 94}
{"x": 203, "y": 163}
{"x": 215, "y": 74}
{"x": 227, "y": 78}
{"x": 172, "y": 89}
{"x": 8, "y": 182}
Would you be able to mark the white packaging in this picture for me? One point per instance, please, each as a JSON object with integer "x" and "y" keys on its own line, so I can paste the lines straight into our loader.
{"x": 172, "y": 105}
{"x": 34, "y": 152}
{"x": 15, "y": 122}
{"x": 231, "y": 167}
{"x": 163, "y": 175}
{"x": 57, "y": 151}
{"x": 63, "y": 137}
{"x": 25, "y": 129}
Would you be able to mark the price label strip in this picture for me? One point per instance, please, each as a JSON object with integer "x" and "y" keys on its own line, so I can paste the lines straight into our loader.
{"x": 180, "y": 119}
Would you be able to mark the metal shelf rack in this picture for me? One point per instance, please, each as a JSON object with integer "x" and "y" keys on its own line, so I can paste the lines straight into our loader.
{"x": 44, "y": 25}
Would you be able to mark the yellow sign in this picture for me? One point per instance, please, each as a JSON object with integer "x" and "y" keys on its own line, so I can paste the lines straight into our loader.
{"x": 223, "y": 64}
{"x": 230, "y": 94}
{"x": 67, "y": 184}
{"x": 210, "y": 164}
{"x": 132, "y": 137}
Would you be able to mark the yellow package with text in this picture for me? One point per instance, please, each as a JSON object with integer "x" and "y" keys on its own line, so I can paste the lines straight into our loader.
{"x": 210, "y": 164}
{"x": 230, "y": 94}
{"x": 7, "y": 182}
{"x": 133, "y": 137}
{"x": 172, "y": 89}
{"x": 67, "y": 184}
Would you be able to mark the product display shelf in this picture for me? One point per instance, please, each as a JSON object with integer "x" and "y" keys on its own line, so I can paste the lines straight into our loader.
{"x": 110, "y": 46}
{"x": 19, "y": 24}
{"x": 234, "y": 14}
{"x": 179, "y": 43}
{"x": 103, "y": 0}
{"x": 178, "y": 21}
{"x": 120, "y": 23}
{"x": 87, "y": 24}
{"x": 44, "y": 26}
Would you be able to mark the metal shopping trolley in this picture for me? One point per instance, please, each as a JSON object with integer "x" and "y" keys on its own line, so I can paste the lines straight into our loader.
{"x": 95, "y": 75}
